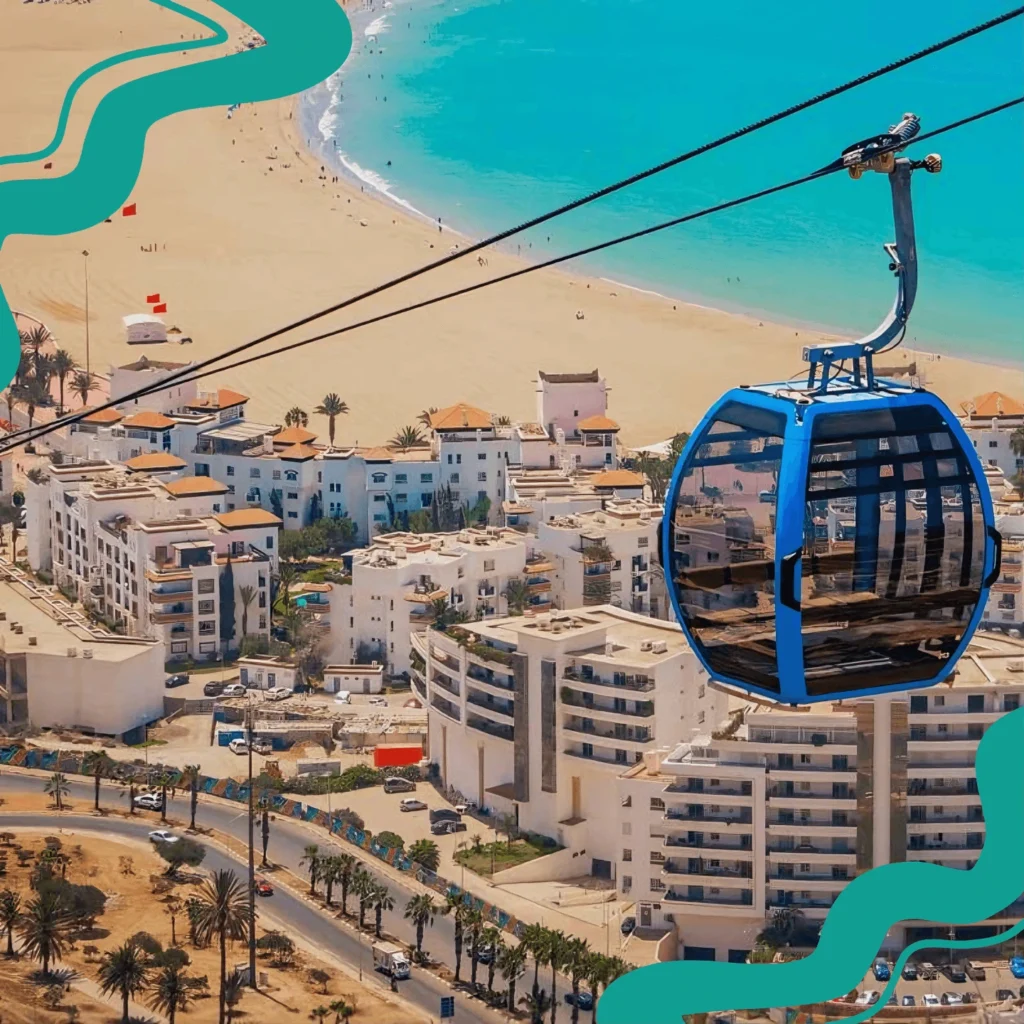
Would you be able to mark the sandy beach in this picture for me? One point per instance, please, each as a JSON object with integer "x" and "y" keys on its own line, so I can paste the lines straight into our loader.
{"x": 249, "y": 235}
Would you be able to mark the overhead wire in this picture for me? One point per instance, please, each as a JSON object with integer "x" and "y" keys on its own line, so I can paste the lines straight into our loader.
{"x": 26, "y": 436}
{"x": 607, "y": 190}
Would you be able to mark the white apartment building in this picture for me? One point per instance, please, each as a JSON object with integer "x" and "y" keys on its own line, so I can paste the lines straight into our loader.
{"x": 58, "y": 670}
{"x": 541, "y": 495}
{"x": 536, "y": 715}
{"x": 1005, "y": 607}
{"x": 990, "y": 421}
{"x": 150, "y": 551}
{"x": 781, "y": 807}
{"x": 396, "y": 580}
{"x": 604, "y": 556}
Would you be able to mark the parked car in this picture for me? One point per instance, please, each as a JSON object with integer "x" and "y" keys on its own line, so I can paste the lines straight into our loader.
{"x": 172, "y": 681}
{"x": 213, "y": 689}
{"x": 975, "y": 970}
{"x": 1017, "y": 966}
{"x": 893, "y": 1001}
{"x": 263, "y": 887}
{"x": 880, "y": 969}
{"x": 396, "y": 784}
{"x": 908, "y": 1001}
{"x": 446, "y": 827}
{"x": 377, "y": 702}
{"x": 628, "y": 925}
{"x": 238, "y": 746}
{"x": 261, "y": 746}
{"x": 149, "y": 801}
{"x": 956, "y": 974}
{"x": 278, "y": 693}
{"x": 929, "y": 999}
{"x": 1002, "y": 994}
{"x": 485, "y": 955}
{"x": 927, "y": 971}
{"x": 952, "y": 999}
{"x": 343, "y": 697}
{"x": 909, "y": 971}
{"x": 410, "y": 803}
{"x": 867, "y": 998}
{"x": 444, "y": 814}
{"x": 233, "y": 690}
{"x": 585, "y": 1001}
{"x": 161, "y": 835}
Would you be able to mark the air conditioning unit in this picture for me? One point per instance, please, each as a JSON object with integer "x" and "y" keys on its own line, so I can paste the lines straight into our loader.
{"x": 72, "y": 652}
{"x": 86, "y": 652}
{"x": 659, "y": 647}
{"x": 646, "y": 645}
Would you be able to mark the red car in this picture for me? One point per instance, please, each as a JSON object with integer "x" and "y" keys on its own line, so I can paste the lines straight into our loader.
{"x": 264, "y": 888}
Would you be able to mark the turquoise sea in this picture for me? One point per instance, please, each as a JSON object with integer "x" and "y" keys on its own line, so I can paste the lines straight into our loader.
{"x": 486, "y": 112}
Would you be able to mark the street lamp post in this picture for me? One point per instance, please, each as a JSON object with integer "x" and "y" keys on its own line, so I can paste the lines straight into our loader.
{"x": 85, "y": 253}
{"x": 252, "y": 861}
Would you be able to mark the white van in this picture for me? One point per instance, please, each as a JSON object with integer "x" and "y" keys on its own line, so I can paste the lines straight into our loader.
{"x": 343, "y": 697}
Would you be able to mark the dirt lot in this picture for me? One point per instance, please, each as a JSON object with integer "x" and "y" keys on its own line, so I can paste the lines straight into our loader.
{"x": 139, "y": 898}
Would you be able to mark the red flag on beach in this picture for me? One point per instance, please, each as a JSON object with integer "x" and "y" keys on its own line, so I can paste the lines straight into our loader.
{"x": 162, "y": 308}
{"x": 153, "y": 298}
{"x": 129, "y": 211}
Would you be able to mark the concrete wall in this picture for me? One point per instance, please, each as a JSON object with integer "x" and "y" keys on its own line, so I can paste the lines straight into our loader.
{"x": 557, "y": 866}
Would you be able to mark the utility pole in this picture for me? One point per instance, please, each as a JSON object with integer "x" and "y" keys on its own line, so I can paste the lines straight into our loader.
{"x": 252, "y": 856}
{"x": 85, "y": 253}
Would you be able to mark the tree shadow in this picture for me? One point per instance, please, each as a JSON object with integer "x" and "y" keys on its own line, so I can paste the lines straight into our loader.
{"x": 61, "y": 976}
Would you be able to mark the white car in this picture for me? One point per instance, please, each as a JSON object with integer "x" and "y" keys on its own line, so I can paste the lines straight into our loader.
{"x": 278, "y": 693}
{"x": 149, "y": 801}
{"x": 929, "y": 999}
{"x": 410, "y": 803}
{"x": 162, "y": 836}
{"x": 233, "y": 690}
{"x": 952, "y": 999}
{"x": 377, "y": 702}
{"x": 343, "y": 697}
{"x": 238, "y": 747}
{"x": 867, "y": 998}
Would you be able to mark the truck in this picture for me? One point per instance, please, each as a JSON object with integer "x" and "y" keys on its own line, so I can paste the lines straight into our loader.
{"x": 390, "y": 959}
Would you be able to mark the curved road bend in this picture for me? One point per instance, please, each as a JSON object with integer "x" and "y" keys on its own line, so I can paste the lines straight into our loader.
{"x": 288, "y": 839}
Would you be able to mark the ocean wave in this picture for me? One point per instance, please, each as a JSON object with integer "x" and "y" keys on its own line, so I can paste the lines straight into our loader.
{"x": 377, "y": 26}
{"x": 378, "y": 183}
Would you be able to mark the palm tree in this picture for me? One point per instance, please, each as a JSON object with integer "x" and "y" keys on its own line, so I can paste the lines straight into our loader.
{"x": 312, "y": 860}
{"x": 558, "y": 957}
{"x": 346, "y": 869}
{"x": 341, "y": 1009}
{"x": 577, "y": 962}
{"x": 425, "y": 853}
{"x": 97, "y": 763}
{"x": 474, "y": 928}
{"x": 82, "y": 384}
{"x": 35, "y": 396}
{"x": 286, "y": 573}
{"x": 425, "y": 416}
{"x": 33, "y": 341}
{"x": 10, "y": 915}
{"x": 598, "y": 974}
{"x": 537, "y": 1004}
{"x": 124, "y": 971}
{"x": 332, "y": 407}
{"x": 246, "y": 594}
{"x": 406, "y": 438}
{"x": 363, "y": 886}
{"x": 170, "y": 991}
{"x": 421, "y": 910}
{"x": 190, "y": 776}
{"x": 330, "y": 872}
{"x": 234, "y": 989}
{"x": 536, "y": 940}
{"x": 45, "y": 929}
{"x": 493, "y": 942}
{"x": 164, "y": 781}
{"x": 512, "y": 962}
{"x": 223, "y": 910}
{"x": 57, "y": 787}
{"x": 318, "y": 1013}
{"x": 12, "y": 398}
{"x": 382, "y": 900}
{"x": 296, "y": 417}
{"x": 63, "y": 363}
{"x": 455, "y": 905}
{"x": 501, "y": 420}
{"x": 36, "y": 475}
{"x": 517, "y": 594}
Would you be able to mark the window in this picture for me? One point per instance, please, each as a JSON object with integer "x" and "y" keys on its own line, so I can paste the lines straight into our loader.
{"x": 270, "y": 543}
{"x": 207, "y": 628}
{"x": 481, "y": 478}
{"x": 482, "y": 455}
{"x": 940, "y": 702}
{"x": 657, "y": 804}
{"x": 380, "y": 518}
{"x": 293, "y": 515}
{"x": 380, "y": 497}
{"x": 231, "y": 471}
{"x": 379, "y": 478}
{"x": 205, "y": 586}
{"x": 205, "y": 607}
{"x": 263, "y": 622}
{"x": 627, "y": 883}
{"x": 202, "y": 469}
{"x": 291, "y": 475}
{"x": 207, "y": 648}
{"x": 216, "y": 506}
{"x": 454, "y": 478}
{"x": 425, "y": 499}
{"x": 657, "y": 885}
{"x": 627, "y": 855}
{"x": 293, "y": 495}
{"x": 993, "y": 444}
{"x": 401, "y": 478}
{"x": 181, "y": 646}
{"x": 401, "y": 497}
{"x": 276, "y": 475}
{"x": 627, "y": 828}
{"x": 254, "y": 471}
{"x": 426, "y": 478}
{"x": 641, "y": 542}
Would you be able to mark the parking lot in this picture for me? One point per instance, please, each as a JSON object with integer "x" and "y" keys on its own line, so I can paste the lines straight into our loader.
{"x": 997, "y": 977}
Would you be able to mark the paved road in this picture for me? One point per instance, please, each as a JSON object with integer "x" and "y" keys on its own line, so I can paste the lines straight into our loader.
{"x": 287, "y": 842}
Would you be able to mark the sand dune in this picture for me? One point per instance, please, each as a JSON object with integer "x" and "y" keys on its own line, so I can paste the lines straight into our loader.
{"x": 248, "y": 237}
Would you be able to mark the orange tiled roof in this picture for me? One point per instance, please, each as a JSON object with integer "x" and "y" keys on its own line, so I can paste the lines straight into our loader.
{"x": 243, "y": 517}
{"x": 378, "y": 454}
{"x": 149, "y": 420}
{"x": 598, "y": 423}
{"x": 102, "y": 416}
{"x": 298, "y": 453}
{"x": 617, "y": 478}
{"x": 154, "y": 461}
{"x": 223, "y": 398}
{"x": 460, "y": 417}
{"x": 294, "y": 435}
{"x": 190, "y": 486}
{"x": 991, "y": 405}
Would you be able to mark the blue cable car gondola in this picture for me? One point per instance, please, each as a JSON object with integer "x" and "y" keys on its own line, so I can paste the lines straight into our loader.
{"x": 834, "y": 537}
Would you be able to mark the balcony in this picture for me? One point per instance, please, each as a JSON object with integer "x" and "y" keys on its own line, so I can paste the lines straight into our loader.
{"x": 486, "y": 591}
{"x": 704, "y": 871}
{"x": 502, "y": 732}
{"x": 445, "y": 684}
{"x": 736, "y": 898}
{"x": 729, "y": 852}
{"x": 676, "y": 789}
{"x": 620, "y": 681}
{"x": 445, "y": 707}
{"x": 419, "y": 686}
{"x": 488, "y": 677}
{"x": 613, "y": 736}
{"x": 741, "y": 817}
{"x": 539, "y": 565}
{"x": 640, "y": 709}
{"x": 600, "y": 756}
{"x": 174, "y": 613}
{"x": 493, "y": 707}
{"x": 170, "y": 596}
{"x": 807, "y": 903}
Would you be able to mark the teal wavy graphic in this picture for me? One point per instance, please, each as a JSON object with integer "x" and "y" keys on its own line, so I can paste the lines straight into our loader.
{"x": 305, "y": 43}
{"x": 857, "y": 924}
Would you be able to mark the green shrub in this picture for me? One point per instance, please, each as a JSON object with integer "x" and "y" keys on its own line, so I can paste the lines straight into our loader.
{"x": 391, "y": 840}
